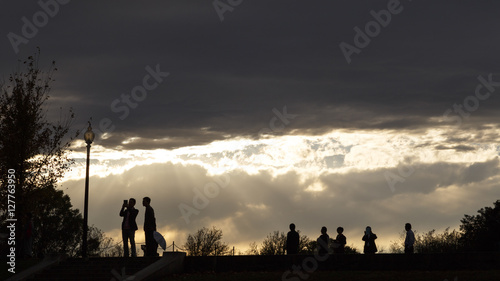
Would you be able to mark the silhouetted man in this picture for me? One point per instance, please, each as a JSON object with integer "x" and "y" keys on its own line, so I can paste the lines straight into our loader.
{"x": 409, "y": 240}
{"x": 129, "y": 226}
{"x": 149, "y": 228}
{"x": 292, "y": 241}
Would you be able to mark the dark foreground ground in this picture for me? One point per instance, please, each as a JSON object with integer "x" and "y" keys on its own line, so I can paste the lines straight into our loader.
{"x": 438, "y": 267}
{"x": 486, "y": 275}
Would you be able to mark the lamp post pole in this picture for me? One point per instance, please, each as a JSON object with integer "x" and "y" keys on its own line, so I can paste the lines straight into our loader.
{"x": 89, "y": 138}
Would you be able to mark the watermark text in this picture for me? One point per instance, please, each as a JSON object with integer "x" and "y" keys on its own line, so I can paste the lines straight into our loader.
{"x": 30, "y": 28}
{"x": 11, "y": 220}
{"x": 222, "y": 7}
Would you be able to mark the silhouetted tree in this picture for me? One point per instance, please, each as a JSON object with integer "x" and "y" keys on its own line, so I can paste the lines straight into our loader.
{"x": 274, "y": 244}
{"x": 431, "y": 242}
{"x": 477, "y": 233}
{"x": 99, "y": 245}
{"x": 57, "y": 227}
{"x": 29, "y": 144}
{"x": 397, "y": 247}
{"x": 36, "y": 151}
{"x": 115, "y": 251}
{"x": 482, "y": 232}
{"x": 351, "y": 250}
{"x": 312, "y": 247}
{"x": 303, "y": 242}
{"x": 206, "y": 242}
{"x": 446, "y": 242}
{"x": 253, "y": 249}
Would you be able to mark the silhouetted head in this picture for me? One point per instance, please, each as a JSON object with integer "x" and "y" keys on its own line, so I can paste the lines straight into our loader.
{"x": 408, "y": 226}
{"x": 323, "y": 230}
{"x": 131, "y": 202}
{"x": 368, "y": 230}
{"x": 146, "y": 201}
{"x": 292, "y": 226}
{"x": 340, "y": 229}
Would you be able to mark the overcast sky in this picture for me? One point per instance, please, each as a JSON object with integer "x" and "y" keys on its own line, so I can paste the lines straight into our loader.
{"x": 250, "y": 115}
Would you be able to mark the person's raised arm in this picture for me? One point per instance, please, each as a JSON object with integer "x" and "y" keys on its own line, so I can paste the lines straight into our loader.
{"x": 122, "y": 210}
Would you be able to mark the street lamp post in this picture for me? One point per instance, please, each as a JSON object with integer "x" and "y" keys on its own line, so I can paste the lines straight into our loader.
{"x": 89, "y": 138}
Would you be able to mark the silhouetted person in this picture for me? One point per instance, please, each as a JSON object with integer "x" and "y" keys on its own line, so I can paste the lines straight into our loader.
{"x": 149, "y": 228}
{"x": 129, "y": 226}
{"x": 340, "y": 240}
{"x": 292, "y": 241}
{"x": 322, "y": 241}
{"x": 369, "y": 238}
{"x": 409, "y": 240}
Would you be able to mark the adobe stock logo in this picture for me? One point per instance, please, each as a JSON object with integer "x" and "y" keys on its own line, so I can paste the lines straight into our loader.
{"x": 30, "y": 28}
{"x": 221, "y": 7}
{"x": 372, "y": 29}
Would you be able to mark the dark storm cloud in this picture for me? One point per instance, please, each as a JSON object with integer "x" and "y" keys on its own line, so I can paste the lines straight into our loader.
{"x": 227, "y": 76}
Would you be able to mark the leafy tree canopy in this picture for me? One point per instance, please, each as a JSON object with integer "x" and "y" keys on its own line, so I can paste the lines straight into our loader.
{"x": 482, "y": 232}
{"x": 206, "y": 242}
{"x": 34, "y": 150}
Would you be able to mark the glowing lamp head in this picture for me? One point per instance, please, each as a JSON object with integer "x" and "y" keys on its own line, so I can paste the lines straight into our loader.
{"x": 89, "y": 135}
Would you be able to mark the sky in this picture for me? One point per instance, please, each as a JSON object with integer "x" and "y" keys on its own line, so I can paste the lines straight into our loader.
{"x": 251, "y": 115}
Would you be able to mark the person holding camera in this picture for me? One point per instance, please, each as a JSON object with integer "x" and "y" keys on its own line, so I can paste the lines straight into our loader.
{"x": 129, "y": 226}
{"x": 369, "y": 238}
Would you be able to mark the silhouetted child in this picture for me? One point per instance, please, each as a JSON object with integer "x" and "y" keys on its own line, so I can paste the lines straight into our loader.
{"x": 341, "y": 241}
{"x": 369, "y": 238}
{"x": 323, "y": 240}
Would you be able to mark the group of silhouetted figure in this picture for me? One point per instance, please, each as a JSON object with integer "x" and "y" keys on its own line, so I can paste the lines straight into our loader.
{"x": 129, "y": 226}
{"x": 323, "y": 241}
